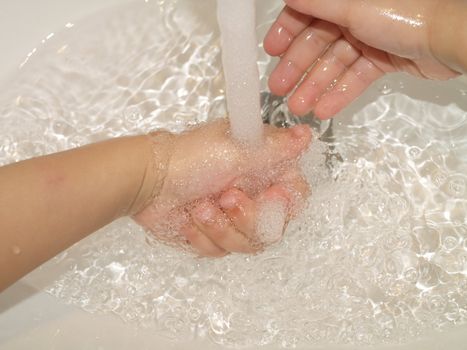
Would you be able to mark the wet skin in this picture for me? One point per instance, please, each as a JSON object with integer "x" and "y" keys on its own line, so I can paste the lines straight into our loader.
{"x": 341, "y": 47}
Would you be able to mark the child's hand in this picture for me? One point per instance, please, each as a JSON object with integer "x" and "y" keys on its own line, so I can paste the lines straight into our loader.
{"x": 200, "y": 187}
{"x": 213, "y": 187}
{"x": 348, "y": 44}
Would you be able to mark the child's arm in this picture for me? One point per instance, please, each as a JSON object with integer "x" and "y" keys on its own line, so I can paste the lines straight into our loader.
{"x": 49, "y": 203}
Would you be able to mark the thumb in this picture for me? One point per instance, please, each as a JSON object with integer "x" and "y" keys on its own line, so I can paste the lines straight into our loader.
{"x": 281, "y": 145}
{"x": 278, "y": 153}
{"x": 335, "y": 11}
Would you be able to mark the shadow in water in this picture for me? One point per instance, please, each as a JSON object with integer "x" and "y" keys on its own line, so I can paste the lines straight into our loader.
{"x": 15, "y": 295}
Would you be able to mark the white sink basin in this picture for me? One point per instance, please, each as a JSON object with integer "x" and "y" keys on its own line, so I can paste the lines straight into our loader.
{"x": 30, "y": 318}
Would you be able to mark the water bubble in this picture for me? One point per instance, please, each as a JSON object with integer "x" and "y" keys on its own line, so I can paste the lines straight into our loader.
{"x": 436, "y": 304}
{"x": 450, "y": 242}
{"x": 240, "y": 321}
{"x": 423, "y": 317}
{"x": 173, "y": 324}
{"x": 456, "y": 186}
{"x": 132, "y": 114}
{"x": 414, "y": 152}
{"x": 439, "y": 178}
{"x": 453, "y": 312}
{"x": 411, "y": 275}
{"x": 194, "y": 314}
{"x": 289, "y": 339}
{"x": 385, "y": 321}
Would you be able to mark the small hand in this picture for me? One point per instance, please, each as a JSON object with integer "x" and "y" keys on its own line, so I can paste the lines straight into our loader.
{"x": 215, "y": 187}
{"x": 344, "y": 46}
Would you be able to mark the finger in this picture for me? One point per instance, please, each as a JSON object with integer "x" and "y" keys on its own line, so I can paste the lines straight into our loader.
{"x": 272, "y": 214}
{"x": 389, "y": 63}
{"x": 431, "y": 69}
{"x": 211, "y": 221}
{"x": 340, "y": 56}
{"x": 202, "y": 244}
{"x": 241, "y": 211}
{"x": 422, "y": 68}
{"x": 353, "y": 83}
{"x": 277, "y": 205}
{"x": 377, "y": 57}
{"x": 280, "y": 145}
{"x": 296, "y": 189}
{"x": 288, "y": 25}
{"x": 335, "y": 11}
{"x": 301, "y": 55}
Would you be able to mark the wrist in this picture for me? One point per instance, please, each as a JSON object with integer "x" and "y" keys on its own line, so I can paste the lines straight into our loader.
{"x": 157, "y": 150}
{"x": 448, "y": 34}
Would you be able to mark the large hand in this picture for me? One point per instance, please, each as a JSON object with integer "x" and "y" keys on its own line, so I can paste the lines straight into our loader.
{"x": 348, "y": 44}
{"x": 214, "y": 185}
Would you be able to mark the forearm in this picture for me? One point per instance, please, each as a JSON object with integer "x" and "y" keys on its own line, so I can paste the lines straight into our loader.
{"x": 49, "y": 203}
{"x": 448, "y": 34}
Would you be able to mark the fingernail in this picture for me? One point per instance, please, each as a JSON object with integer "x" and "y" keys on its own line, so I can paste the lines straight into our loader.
{"x": 322, "y": 116}
{"x": 284, "y": 77}
{"x": 326, "y": 109}
{"x": 205, "y": 214}
{"x": 280, "y": 194}
{"x": 299, "y": 131}
{"x": 282, "y": 33}
{"x": 228, "y": 202}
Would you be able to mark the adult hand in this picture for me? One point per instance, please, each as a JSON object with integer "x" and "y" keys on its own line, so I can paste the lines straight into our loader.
{"x": 345, "y": 45}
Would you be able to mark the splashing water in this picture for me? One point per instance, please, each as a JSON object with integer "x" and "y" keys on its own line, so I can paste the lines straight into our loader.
{"x": 239, "y": 56}
{"x": 378, "y": 256}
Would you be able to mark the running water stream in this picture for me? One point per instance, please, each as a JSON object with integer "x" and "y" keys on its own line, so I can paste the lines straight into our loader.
{"x": 237, "y": 25}
{"x": 239, "y": 55}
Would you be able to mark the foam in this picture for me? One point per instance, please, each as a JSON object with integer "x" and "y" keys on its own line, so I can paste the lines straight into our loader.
{"x": 272, "y": 220}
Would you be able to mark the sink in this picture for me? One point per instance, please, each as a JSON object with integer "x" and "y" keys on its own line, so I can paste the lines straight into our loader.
{"x": 31, "y": 318}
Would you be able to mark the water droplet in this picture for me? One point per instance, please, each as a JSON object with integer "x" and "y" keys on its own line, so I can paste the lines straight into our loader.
{"x": 385, "y": 88}
{"x": 16, "y": 250}
{"x": 344, "y": 88}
